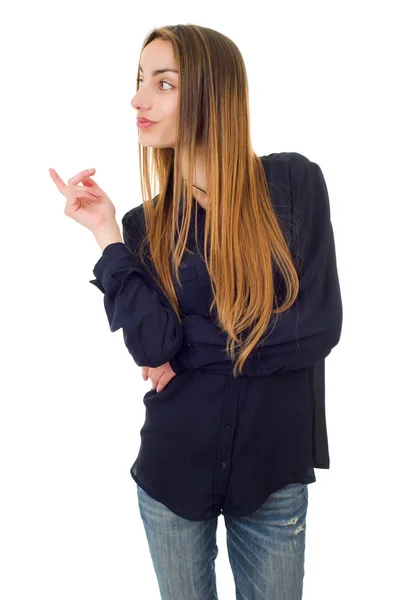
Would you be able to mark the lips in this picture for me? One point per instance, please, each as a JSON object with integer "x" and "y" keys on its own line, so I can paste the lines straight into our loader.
{"x": 144, "y": 120}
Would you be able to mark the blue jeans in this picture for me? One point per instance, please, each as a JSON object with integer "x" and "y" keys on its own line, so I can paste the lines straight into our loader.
{"x": 266, "y": 549}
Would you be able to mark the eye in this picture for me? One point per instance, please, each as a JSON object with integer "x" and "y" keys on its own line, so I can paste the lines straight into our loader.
{"x": 163, "y": 81}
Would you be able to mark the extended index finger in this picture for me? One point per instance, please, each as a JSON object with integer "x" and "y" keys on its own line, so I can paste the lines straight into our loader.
{"x": 57, "y": 179}
{"x": 74, "y": 180}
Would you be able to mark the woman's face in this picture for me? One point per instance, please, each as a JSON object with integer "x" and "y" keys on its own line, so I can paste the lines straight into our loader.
{"x": 157, "y": 98}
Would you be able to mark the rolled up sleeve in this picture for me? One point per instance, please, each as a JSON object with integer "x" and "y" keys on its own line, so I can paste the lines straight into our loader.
{"x": 151, "y": 330}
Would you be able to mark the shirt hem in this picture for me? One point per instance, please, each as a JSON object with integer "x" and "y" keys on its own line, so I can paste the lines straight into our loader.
{"x": 236, "y": 514}
{"x": 231, "y": 514}
{"x": 154, "y": 496}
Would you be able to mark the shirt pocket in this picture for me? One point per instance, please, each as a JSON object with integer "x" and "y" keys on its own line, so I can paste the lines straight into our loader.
{"x": 187, "y": 273}
{"x": 196, "y": 295}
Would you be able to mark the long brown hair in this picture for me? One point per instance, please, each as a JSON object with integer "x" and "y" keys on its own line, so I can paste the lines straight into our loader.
{"x": 241, "y": 228}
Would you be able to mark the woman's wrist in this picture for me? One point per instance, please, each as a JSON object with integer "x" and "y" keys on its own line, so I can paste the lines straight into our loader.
{"x": 106, "y": 234}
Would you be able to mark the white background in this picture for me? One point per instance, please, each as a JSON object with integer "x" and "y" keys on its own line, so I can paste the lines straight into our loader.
{"x": 323, "y": 79}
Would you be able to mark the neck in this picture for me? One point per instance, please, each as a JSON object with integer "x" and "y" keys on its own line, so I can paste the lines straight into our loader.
{"x": 200, "y": 189}
{"x": 199, "y": 172}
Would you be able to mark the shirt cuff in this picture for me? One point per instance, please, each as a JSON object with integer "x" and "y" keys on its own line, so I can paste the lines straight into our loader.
{"x": 97, "y": 283}
{"x": 176, "y": 366}
{"x": 112, "y": 252}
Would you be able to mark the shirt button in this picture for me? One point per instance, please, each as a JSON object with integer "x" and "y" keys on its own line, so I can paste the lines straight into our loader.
{"x": 228, "y": 425}
{"x": 223, "y": 465}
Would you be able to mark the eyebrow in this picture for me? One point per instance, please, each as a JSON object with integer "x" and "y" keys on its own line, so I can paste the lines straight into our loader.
{"x": 158, "y": 71}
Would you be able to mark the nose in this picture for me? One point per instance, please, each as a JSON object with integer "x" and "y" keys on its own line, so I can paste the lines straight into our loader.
{"x": 138, "y": 103}
{"x": 134, "y": 103}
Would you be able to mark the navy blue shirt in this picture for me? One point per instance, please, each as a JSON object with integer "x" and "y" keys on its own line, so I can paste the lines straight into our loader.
{"x": 212, "y": 442}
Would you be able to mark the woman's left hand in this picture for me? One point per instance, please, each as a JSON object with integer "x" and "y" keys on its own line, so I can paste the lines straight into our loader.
{"x": 160, "y": 376}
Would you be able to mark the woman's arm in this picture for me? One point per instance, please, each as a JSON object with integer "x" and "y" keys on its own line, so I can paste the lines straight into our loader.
{"x": 152, "y": 333}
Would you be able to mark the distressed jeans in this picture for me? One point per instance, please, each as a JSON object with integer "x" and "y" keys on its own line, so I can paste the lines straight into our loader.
{"x": 266, "y": 549}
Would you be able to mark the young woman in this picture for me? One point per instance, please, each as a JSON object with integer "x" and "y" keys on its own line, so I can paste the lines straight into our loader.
{"x": 226, "y": 288}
